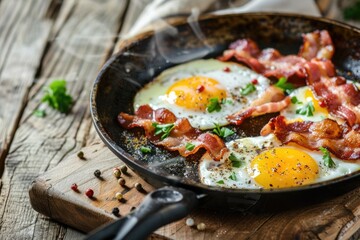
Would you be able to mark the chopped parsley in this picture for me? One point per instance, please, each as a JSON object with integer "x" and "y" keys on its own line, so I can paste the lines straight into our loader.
{"x": 189, "y": 146}
{"x": 328, "y": 161}
{"x": 222, "y": 131}
{"x": 307, "y": 110}
{"x": 249, "y": 88}
{"x": 145, "y": 149}
{"x": 163, "y": 129}
{"x": 39, "y": 113}
{"x": 214, "y": 105}
{"x": 284, "y": 85}
{"x": 233, "y": 176}
{"x": 227, "y": 101}
{"x": 235, "y": 161}
{"x": 56, "y": 96}
{"x": 220, "y": 182}
{"x": 294, "y": 100}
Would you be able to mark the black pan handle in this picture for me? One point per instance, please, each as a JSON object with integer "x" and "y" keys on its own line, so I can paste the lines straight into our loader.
{"x": 160, "y": 207}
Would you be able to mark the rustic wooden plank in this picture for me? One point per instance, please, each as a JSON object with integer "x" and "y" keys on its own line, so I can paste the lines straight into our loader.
{"x": 79, "y": 47}
{"x": 337, "y": 217}
{"x": 23, "y": 36}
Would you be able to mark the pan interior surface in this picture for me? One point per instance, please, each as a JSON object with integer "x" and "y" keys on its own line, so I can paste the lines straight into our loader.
{"x": 147, "y": 55}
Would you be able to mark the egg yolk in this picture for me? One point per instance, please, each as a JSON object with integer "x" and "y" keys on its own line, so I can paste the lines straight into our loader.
{"x": 318, "y": 109}
{"x": 283, "y": 167}
{"x": 195, "y": 92}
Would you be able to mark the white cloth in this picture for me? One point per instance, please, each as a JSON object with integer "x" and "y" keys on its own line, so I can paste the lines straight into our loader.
{"x": 306, "y": 7}
{"x": 159, "y": 9}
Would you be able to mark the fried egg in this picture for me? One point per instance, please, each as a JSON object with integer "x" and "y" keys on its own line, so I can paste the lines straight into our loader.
{"x": 304, "y": 107}
{"x": 188, "y": 89}
{"x": 263, "y": 162}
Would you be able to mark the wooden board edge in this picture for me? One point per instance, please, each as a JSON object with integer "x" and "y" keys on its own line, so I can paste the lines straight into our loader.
{"x": 49, "y": 202}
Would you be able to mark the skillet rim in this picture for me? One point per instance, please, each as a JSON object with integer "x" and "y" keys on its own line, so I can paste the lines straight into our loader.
{"x": 199, "y": 187}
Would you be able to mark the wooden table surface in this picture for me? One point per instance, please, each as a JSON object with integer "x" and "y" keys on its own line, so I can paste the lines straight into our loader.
{"x": 43, "y": 40}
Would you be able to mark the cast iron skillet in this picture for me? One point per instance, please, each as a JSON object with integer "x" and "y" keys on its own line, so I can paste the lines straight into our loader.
{"x": 145, "y": 56}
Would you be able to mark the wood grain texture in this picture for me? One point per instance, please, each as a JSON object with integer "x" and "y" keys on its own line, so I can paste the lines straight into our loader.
{"x": 336, "y": 218}
{"x": 24, "y": 32}
{"x": 85, "y": 34}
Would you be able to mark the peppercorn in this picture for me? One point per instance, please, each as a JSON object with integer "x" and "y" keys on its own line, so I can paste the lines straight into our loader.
{"x": 190, "y": 222}
{"x": 138, "y": 186}
{"x": 97, "y": 173}
{"x": 121, "y": 181}
{"x": 124, "y": 169}
{"x": 118, "y": 196}
{"x": 201, "y": 226}
{"x": 117, "y": 172}
{"x": 89, "y": 193}
{"x": 81, "y": 155}
{"x": 227, "y": 69}
{"x": 74, "y": 187}
{"x": 115, "y": 211}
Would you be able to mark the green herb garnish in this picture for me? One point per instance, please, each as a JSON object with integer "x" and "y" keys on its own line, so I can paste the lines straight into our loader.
{"x": 284, "y": 85}
{"x": 163, "y": 129}
{"x": 352, "y": 11}
{"x": 233, "y": 176}
{"x": 214, "y": 105}
{"x": 189, "y": 146}
{"x": 227, "y": 101}
{"x": 145, "y": 149}
{"x": 328, "y": 161}
{"x": 222, "y": 131}
{"x": 307, "y": 110}
{"x": 56, "y": 96}
{"x": 249, "y": 88}
{"x": 294, "y": 100}
{"x": 39, "y": 113}
{"x": 220, "y": 182}
{"x": 235, "y": 161}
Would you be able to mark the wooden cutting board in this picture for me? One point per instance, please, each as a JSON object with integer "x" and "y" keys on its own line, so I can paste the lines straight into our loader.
{"x": 51, "y": 195}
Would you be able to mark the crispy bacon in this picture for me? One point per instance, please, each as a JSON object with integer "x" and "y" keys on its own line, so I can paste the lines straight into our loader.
{"x": 340, "y": 140}
{"x": 342, "y": 99}
{"x": 317, "y": 44}
{"x": 182, "y": 133}
{"x": 271, "y": 63}
{"x": 272, "y": 100}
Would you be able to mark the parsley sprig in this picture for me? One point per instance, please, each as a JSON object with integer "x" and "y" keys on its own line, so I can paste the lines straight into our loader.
{"x": 39, "y": 113}
{"x": 233, "y": 176}
{"x": 163, "y": 129}
{"x": 328, "y": 161}
{"x": 214, "y": 105}
{"x": 189, "y": 146}
{"x": 220, "y": 182}
{"x": 56, "y": 96}
{"x": 222, "y": 131}
{"x": 307, "y": 110}
{"x": 284, "y": 85}
{"x": 249, "y": 88}
{"x": 235, "y": 161}
{"x": 294, "y": 100}
{"x": 144, "y": 149}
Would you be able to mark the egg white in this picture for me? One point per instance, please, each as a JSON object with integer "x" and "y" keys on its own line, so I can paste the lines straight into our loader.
{"x": 290, "y": 111}
{"x": 233, "y": 81}
{"x": 218, "y": 173}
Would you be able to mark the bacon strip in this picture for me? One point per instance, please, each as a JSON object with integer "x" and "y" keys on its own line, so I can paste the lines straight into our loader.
{"x": 182, "y": 133}
{"x": 342, "y": 99}
{"x": 317, "y": 44}
{"x": 271, "y": 63}
{"x": 272, "y": 100}
{"x": 340, "y": 140}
